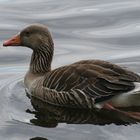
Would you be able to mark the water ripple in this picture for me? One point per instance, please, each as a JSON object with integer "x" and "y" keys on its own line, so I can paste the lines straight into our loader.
{"x": 105, "y": 29}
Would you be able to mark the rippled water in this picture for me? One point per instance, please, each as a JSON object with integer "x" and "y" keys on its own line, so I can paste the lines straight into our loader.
{"x": 105, "y": 29}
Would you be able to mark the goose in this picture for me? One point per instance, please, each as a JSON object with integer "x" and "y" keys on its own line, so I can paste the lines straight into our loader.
{"x": 86, "y": 84}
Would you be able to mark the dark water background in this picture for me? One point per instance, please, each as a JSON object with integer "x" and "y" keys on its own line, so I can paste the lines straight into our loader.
{"x": 82, "y": 29}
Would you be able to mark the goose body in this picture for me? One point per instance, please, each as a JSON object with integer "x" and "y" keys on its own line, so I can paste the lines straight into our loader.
{"x": 84, "y": 84}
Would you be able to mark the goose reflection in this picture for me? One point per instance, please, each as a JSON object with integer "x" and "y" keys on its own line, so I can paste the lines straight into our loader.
{"x": 38, "y": 138}
{"x": 50, "y": 116}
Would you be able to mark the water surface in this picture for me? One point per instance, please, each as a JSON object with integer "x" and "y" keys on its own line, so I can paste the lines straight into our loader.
{"x": 105, "y": 29}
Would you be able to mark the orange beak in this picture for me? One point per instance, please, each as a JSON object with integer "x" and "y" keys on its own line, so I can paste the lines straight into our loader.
{"x": 14, "y": 41}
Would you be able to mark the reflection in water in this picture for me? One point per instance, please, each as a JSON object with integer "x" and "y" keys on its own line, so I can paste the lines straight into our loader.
{"x": 38, "y": 138}
{"x": 50, "y": 116}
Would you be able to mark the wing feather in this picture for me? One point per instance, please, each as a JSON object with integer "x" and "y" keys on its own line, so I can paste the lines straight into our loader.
{"x": 94, "y": 78}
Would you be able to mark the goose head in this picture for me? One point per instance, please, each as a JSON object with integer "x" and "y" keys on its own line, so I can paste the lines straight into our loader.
{"x": 35, "y": 36}
{"x": 38, "y": 38}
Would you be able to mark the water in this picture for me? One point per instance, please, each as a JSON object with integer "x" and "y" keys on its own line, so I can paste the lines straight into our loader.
{"x": 105, "y": 29}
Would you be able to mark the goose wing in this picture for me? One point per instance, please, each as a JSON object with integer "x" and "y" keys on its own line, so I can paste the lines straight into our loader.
{"x": 97, "y": 79}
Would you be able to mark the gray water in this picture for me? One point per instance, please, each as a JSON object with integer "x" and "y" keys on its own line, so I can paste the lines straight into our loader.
{"x": 82, "y": 29}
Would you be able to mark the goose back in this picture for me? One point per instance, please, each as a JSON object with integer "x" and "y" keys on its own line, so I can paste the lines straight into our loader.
{"x": 93, "y": 79}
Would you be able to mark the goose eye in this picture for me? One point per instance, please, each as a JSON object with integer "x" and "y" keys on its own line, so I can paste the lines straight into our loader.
{"x": 27, "y": 34}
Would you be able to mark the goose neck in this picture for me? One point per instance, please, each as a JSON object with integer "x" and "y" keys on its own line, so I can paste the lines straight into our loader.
{"x": 41, "y": 61}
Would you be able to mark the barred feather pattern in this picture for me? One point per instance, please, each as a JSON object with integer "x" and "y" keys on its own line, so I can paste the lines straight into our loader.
{"x": 41, "y": 58}
{"x": 85, "y": 83}
{"x": 74, "y": 98}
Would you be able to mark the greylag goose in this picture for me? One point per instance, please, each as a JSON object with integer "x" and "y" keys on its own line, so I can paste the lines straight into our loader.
{"x": 85, "y": 84}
